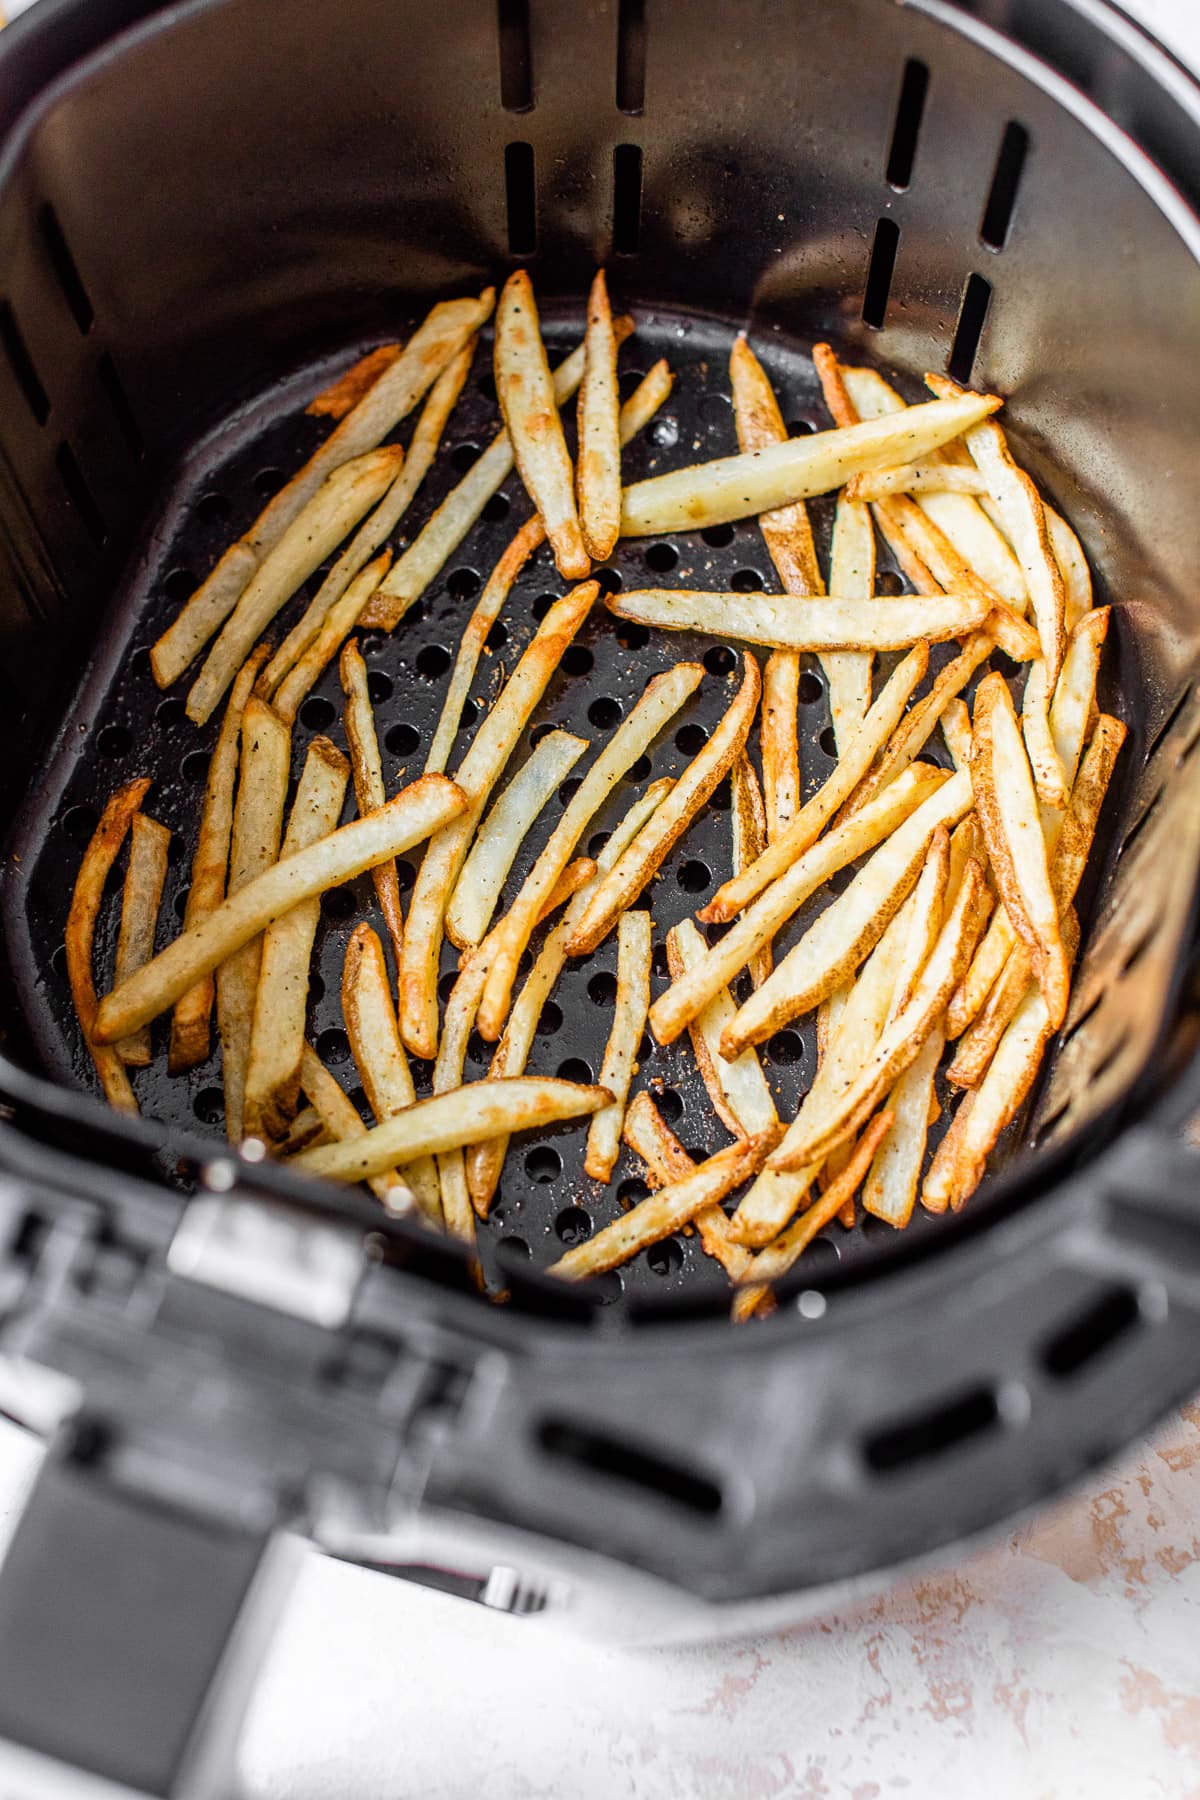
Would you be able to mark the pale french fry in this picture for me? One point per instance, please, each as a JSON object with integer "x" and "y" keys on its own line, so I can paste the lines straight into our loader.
{"x": 853, "y": 764}
{"x": 379, "y": 1055}
{"x": 938, "y": 1186}
{"x": 526, "y": 395}
{"x": 913, "y": 731}
{"x": 369, "y": 792}
{"x": 481, "y": 768}
{"x": 485, "y": 1161}
{"x": 956, "y": 729}
{"x": 890, "y": 1190}
{"x": 281, "y": 997}
{"x": 660, "y": 701}
{"x": 461, "y": 1008}
{"x": 779, "y": 1257}
{"x": 148, "y": 845}
{"x": 650, "y": 1137}
{"x": 599, "y": 458}
{"x": 416, "y": 811}
{"x": 779, "y": 740}
{"x": 977, "y": 983}
{"x": 319, "y": 528}
{"x": 336, "y": 627}
{"x": 916, "y": 478}
{"x": 576, "y": 875}
{"x": 968, "y": 527}
{"x": 954, "y": 572}
{"x": 748, "y": 820}
{"x": 834, "y": 945}
{"x": 466, "y": 1115}
{"x": 844, "y": 844}
{"x": 737, "y": 487}
{"x": 922, "y": 921}
{"x": 1075, "y": 693}
{"x": 1048, "y": 774}
{"x": 625, "y": 1034}
{"x": 192, "y": 1012}
{"x": 502, "y": 833}
{"x": 851, "y": 572}
{"x": 204, "y": 614}
{"x": 306, "y": 1129}
{"x": 1072, "y": 563}
{"x": 738, "y": 1090}
{"x": 254, "y": 847}
{"x": 623, "y": 883}
{"x": 835, "y": 623}
{"x": 663, "y": 1212}
{"x": 343, "y": 394}
{"x": 339, "y": 1116}
{"x": 98, "y": 859}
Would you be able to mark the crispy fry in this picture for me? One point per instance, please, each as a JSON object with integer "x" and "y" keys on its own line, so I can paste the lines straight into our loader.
{"x": 526, "y": 394}
{"x": 1075, "y": 693}
{"x": 379, "y": 1055}
{"x": 204, "y": 614}
{"x": 835, "y": 623}
{"x": 852, "y": 572}
{"x": 660, "y": 701}
{"x": 254, "y": 847}
{"x": 623, "y": 883}
{"x": 1048, "y": 775}
{"x": 306, "y": 1129}
{"x": 1072, "y": 563}
{"x": 466, "y": 1115}
{"x": 650, "y": 1137}
{"x": 748, "y": 819}
{"x": 736, "y": 487}
{"x": 625, "y": 1034}
{"x": 481, "y": 768}
{"x": 504, "y": 831}
{"x": 779, "y": 740}
{"x": 913, "y": 731}
{"x": 98, "y": 859}
{"x": 954, "y": 572}
{"x": 738, "y": 1090}
{"x": 148, "y": 845}
{"x": 461, "y": 1008}
{"x": 890, "y": 1190}
{"x": 358, "y": 718}
{"x": 916, "y": 478}
{"x": 599, "y": 460}
{"x": 281, "y": 997}
{"x": 956, "y": 729}
{"x": 339, "y": 622}
{"x": 416, "y": 811}
{"x": 938, "y": 1185}
{"x": 922, "y": 920}
{"x": 344, "y": 394}
{"x": 339, "y": 1116}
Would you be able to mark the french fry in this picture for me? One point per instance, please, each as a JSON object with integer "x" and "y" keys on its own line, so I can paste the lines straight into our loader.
{"x": 1075, "y": 692}
{"x": 266, "y": 754}
{"x": 599, "y": 459}
{"x": 413, "y": 814}
{"x": 339, "y": 1116}
{"x": 1048, "y": 775}
{"x": 306, "y": 1129}
{"x": 956, "y": 729}
{"x": 954, "y": 573}
{"x": 1072, "y": 563}
{"x": 526, "y": 394}
{"x": 148, "y": 845}
{"x": 835, "y": 623}
{"x": 461, "y": 1008}
{"x": 834, "y": 945}
{"x": 748, "y": 819}
{"x": 660, "y": 701}
{"x": 204, "y": 614}
{"x": 916, "y": 478}
{"x": 890, "y": 1190}
{"x": 339, "y": 504}
{"x": 852, "y": 572}
{"x": 281, "y": 997}
{"x": 844, "y": 844}
{"x": 369, "y": 792}
{"x": 625, "y": 1034}
{"x": 938, "y": 1186}
{"x": 476, "y": 776}
{"x": 737, "y": 487}
{"x": 650, "y": 1137}
{"x": 922, "y": 920}
{"x": 98, "y": 859}
{"x": 338, "y": 623}
{"x": 504, "y": 831}
{"x": 343, "y": 394}
{"x": 738, "y": 1090}
{"x": 379, "y": 1055}
{"x": 913, "y": 731}
{"x": 190, "y": 1028}
{"x": 623, "y": 883}
{"x": 663, "y": 1212}
{"x": 466, "y": 1115}
{"x": 779, "y": 740}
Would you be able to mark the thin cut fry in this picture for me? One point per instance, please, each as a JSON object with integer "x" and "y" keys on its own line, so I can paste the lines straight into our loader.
{"x": 622, "y": 885}
{"x": 148, "y": 845}
{"x": 190, "y": 1018}
{"x": 461, "y": 1008}
{"x": 835, "y": 623}
{"x": 204, "y": 614}
{"x": 88, "y": 892}
{"x": 339, "y": 1116}
{"x": 1075, "y": 693}
{"x": 369, "y": 792}
{"x": 599, "y": 470}
{"x": 344, "y": 394}
{"x": 916, "y": 478}
{"x": 306, "y": 1129}
{"x": 738, "y": 1090}
{"x": 747, "y": 816}
{"x": 526, "y": 394}
{"x": 779, "y": 739}
{"x": 956, "y": 729}
{"x": 281, "y": 997}
{"x": 954, "y": 572}
{"x": 625, "y": 1034}
{"x": 890, "y": 1191}
{"x": 339, "y": 622}
{"x": 914, "y": 730}
{"x": 922, "y": 921}
{"x": 1077, "y": 577}
{"x": 852, "y": 572}
{"x": 650, "y": 1137}
{"x": 1048, "y": 774}
{"x": 938, "y": 1185}
{"x": 416, "y": 811}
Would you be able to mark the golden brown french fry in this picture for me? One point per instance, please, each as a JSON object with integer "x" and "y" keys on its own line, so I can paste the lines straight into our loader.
{"x": 526, "y": 394}
{"x": 339, "y": 1116}
{"x": 148, "y": 845}
{"x": 659, "y": 702}
{"x": 779, "y": 740}
{"x": 193, "y": 1011}
{"x": 99, "y": 857}
{"x": 306, "y": 1129}
{"x": 835, "y": 623}
{"x": 956, "y": 729}
{"x": 737, "y": 487}
{"x": 369, "y": 792}
{"x": 379, "y": 1055}
{"x": 204, "y": 614}
{"x": 625, "y": 1034}
{"x": 502, "y": 833}
{"x": 913, "y": 731}
{"x": 461, "y": 1008}
{"x": 748, "y": 819}
{"x": 650, "y": 1137}
{"x": 834, "y": 945}
{"x": 466, "y": 1115}
{"x": 624, "y": 882}
{"x": 916, "y": 478}
{"x": 1075, "y": 694}
{"x": 663, "y": 1212}
{"x": 411, "y": 815}
{"x": 1072, "y": 563}
{"x": 266, "y": 756}
{"x": 599, "y": 471}
{"x": 977, "y": 983}
{"x": 738, "y": 1090}
{"x": 477, "y": 775}
{"x": 890, "y": 1190}
{"x": 281, "y": 997}
{"x": 922, "y": 920}
{"x": 344, "y": 394}
{"x": 338, "y": 623}
{"x": 1049, "y": 776}
{"x": 844, "y": 844}
{"x": 941, "y": 1175}
{"x": 852, "y": 572}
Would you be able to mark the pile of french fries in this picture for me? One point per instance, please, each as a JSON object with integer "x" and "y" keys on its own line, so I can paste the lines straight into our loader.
{"x": 950, "y": 947}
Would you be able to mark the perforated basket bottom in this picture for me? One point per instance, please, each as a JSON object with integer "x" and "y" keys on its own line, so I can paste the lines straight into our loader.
{"x": 124, "y": 727}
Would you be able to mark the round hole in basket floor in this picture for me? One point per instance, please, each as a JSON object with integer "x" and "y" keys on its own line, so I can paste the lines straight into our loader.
{"x": 339, "y": 903}
{"x": 139, "y": 664}
{"x": 463, "y": 584}
{"x": 468, "y": 715}
{"x": 828, "y": 741}
{"x": 746, "y": 581}
{"x": 209, "y": 1106}
{"x": 317, "y": 713}
{"x": 669, "y": 1104}
{"x": 646, "y": 1047}
{"x": 316, "y": 989}
{"x": 402, "y": 740}
{"x": 602, "y": 988}
{"x": 497, "y": 509}
{"x": 638, "y": 771}
{"x": 379, "y": 686}
{"x": 801, "y": 427}
{"x": 268, "y": 482}
{"x": 822, "y": 1253}
{"x": 497, "y": 637}
{"x": 721, "y": 798}
{"x": 333, "y": 1046}
{"x": 433, "y": 661}
{"x": 658, "y": 961}
{"x": 786, "y": 1048}
{"x": 543, "y": 1164}
{"x": 570, "y": 788}
{"x": 717, "y": 929}
{"x": 445, "y": 986}
{"x": 888, "y": 582}
{"x": 575, "y": 1069}
{"x": 632, "y": 636}
{"x": 720, "y": 659}
{"x": 694, "y": 876}
{"x": 212, "y": 509}
{"x": 810, "y": 688}
{"x": 632, "y": 1191}
{"x": 477, "y": 1050}
{"x": 170, "y": 714}
{"x": 463, "y": 456}
{"x": 665, "y": 1257}
{"x": 405, "y": 874}
{"x": 661, "y": 558}
{"x": 606, "y": 1289}
{"x": 512, "y": 1250}
{"x": 194, "y": 766}
{"x": 180, "y": 584}
{"x": 714, "y": 406}
{"x": 690, "y": 739}
{"x": 573, "y": 1225}
{"x": 551, "y": 1019}
{"x": 542, "y": 605}
{"x": 58, "y": 963}
{"x": 610, "y": 581}
{"x": 179, "y": 904}
{"x": 541, "y": 731}
{"x": 604, "y": 713}
{"x": 577, "y": 659}
{"x": 115, "y": 741}
{"x": 717, "y": 537}
{"x": 597, "y": 842}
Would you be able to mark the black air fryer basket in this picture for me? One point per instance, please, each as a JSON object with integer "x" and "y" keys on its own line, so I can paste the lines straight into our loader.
{"x": 207, "y": 208}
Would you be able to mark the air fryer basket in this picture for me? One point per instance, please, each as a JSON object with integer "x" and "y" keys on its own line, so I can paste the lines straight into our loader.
{"x": 204, "y": 211}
